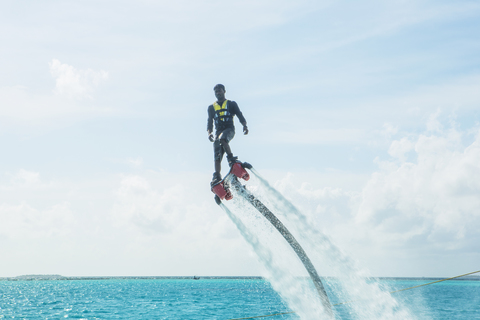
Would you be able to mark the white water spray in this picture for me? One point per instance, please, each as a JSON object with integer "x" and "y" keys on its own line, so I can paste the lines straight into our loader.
{"x": 299, "y": 294}
{"x": 368, "y": 300}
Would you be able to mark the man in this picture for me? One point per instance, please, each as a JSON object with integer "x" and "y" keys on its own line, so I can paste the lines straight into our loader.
{"x": 222, "y": 113}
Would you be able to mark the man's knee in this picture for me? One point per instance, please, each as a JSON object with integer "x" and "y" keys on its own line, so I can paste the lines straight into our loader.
{"x": 217, "y": 150}
{"x": 218, "y": 156}
{"x": 223, "y": 142}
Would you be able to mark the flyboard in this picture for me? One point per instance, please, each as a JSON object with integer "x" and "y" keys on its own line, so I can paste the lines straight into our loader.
{"x": 222, "y": 192}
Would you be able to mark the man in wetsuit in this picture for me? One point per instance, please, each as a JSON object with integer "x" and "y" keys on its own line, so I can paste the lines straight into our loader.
{"x": 222, "y": 113}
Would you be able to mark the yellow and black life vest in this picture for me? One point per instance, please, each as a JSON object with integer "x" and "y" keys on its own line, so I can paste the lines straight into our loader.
{"x": 223, "y": 117}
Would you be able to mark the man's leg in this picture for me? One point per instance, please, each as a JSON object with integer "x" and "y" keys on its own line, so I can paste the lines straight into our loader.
{"x": 218, "y": 166}
{"x": 226, "y": 147}
{"x": 231, "y": 159}
{"x": 218, "y": 155}
{"x": 225, "y": 138}
{"x": 220, "y": 147}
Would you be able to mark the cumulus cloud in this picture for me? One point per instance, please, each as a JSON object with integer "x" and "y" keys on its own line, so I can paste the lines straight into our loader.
{"x": 75, "y": 83}
{"x": 161, "y": 203}
{"x": 174, "y": 218}
{"x": 23, "y": 180}
{"x": 145, "y": 207}
{"x": 25, "y": 177}
{"x": 72, "y": 98}
{"x": 425, "y": 198}
{"x": 26, "y": 222}
{"x": 28, "y": 219}
{"x": 121, "y": 222}
{"x": 432, "y": 200}
{"x": 135, "y": 162}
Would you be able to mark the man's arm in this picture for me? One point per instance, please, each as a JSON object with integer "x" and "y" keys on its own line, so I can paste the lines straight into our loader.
{"x": 210, "y": 113}
{"x": 241, "y": 118}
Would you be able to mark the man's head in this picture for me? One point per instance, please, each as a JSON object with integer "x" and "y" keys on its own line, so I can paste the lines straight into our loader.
{"x": 219, "y": 90}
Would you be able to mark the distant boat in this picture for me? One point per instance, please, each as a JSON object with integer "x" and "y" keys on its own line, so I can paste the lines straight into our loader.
{"x": 196, "y": 278}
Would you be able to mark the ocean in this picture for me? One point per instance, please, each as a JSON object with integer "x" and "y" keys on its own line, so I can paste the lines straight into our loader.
{"x": 214, "y": 298}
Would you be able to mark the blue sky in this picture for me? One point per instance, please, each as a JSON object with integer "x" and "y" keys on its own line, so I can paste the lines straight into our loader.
{"x": 103, "y": 117}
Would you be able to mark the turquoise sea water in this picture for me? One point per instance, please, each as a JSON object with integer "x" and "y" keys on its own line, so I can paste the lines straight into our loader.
{"x": 208, "y": 299}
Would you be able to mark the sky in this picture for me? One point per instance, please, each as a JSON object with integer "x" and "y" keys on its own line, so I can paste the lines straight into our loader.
{"x": 366, "y": 115}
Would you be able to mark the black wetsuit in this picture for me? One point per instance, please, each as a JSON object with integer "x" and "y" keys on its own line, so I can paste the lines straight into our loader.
{"x": 223, "y": 129}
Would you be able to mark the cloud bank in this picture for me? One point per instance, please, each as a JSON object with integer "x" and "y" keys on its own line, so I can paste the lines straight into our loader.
{"x": 72, "y": 98}
{"x": 74, "y": 83}
{"x": 417, "y": 214}
{"x": 424, "y": 200}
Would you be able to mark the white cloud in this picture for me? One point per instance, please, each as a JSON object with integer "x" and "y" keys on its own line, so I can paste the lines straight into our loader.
{"x": 427, "y": 202}
{"x": 23, "y": 217}
{"x": 75, "y": 83}
{"x": 72, "y": 99}
{"x": 135, "y": 162}
{"x": 24, "y": 180}
{"x": 431, "y": 202}
{"x": 26, "y": 222}
{"x": 141, "y": 206}
{"x": 157, "y": 203}
{"x": 168, "y": 220}
{"x": 423, "y": 204}
{"x": 25, "y": 177}
{"x": 174, "y": 217}
{"x": 433, "y": 123}
{"x": 399, "y": 148}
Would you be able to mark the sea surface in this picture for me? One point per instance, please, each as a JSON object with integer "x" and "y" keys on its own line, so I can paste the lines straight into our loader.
{"x": 211, "y": 298}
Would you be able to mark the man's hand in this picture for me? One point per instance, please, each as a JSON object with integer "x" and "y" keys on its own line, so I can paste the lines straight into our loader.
{"x": 210, "y": 137}
{"x": 245, "y": 129}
